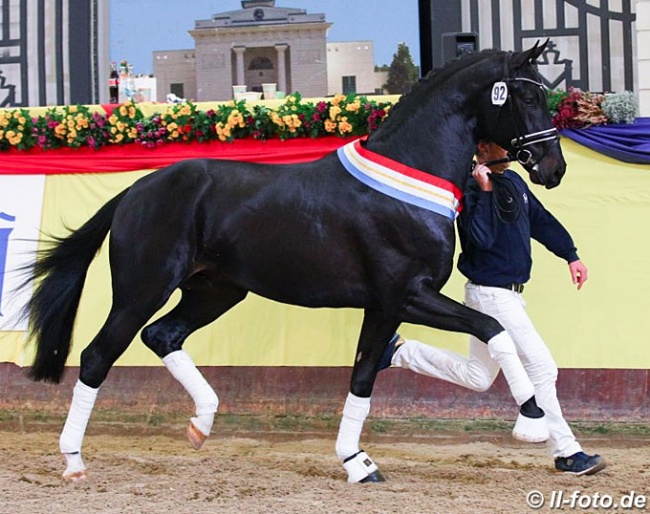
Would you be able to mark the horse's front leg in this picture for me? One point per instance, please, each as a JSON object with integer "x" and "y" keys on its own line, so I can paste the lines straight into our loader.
{"x": 426, "y": 306}
{"x": 376, "y": 331}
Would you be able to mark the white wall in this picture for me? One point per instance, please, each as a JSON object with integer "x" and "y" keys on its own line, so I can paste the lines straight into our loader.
{"x": 643, "y": 55}
{"x": 350, "y": 58}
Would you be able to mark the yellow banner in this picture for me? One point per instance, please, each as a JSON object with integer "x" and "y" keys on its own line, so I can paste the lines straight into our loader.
{"x": 602, "y": 202}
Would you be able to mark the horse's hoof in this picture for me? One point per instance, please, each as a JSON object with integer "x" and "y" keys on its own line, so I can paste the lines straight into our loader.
{"x": 75, "y": 476}
{"x": 75, "y": 469}
{"x": 195, "y": 436}
{"x": 361, "y": 469}
{"x": 375, "y": 476}
{"x": 531, "y": 430}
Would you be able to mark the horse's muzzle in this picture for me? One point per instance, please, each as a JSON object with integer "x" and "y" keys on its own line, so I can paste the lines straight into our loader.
{"x": 549, "y": 179}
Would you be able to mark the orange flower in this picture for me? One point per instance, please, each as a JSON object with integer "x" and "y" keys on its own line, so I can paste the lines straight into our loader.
{"x": 344, "y": 126}
{"x": 335, "y": 110}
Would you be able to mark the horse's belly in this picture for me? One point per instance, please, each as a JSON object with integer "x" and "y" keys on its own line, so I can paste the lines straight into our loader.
{"x": 333, "y": 276}
{"x": 299, "y": 282}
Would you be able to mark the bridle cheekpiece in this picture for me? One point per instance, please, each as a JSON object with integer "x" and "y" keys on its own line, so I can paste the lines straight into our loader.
{"x": 519, "y": 151}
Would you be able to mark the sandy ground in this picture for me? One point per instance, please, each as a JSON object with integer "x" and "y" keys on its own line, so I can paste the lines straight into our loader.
{"x": 136, "y": 468}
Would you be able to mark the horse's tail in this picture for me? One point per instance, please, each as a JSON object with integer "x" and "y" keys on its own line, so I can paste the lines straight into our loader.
{"x": 60, "y": 272}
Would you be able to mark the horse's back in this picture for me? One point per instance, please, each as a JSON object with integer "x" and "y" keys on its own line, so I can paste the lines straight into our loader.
{"x": 308, "y": 234}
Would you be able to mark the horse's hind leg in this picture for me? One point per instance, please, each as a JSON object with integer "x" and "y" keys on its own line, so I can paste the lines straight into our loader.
{"x": 202, "y": 302}
{"x": 111, "y": 341}
{"x": 376, "y": 331}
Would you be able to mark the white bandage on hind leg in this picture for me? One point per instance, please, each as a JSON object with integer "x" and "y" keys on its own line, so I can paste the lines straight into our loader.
{"x": 355, "y": 413}
{"x": 502, "y": 349}
{"x": 183, "y": 369}
{"x": 83, "y": 401}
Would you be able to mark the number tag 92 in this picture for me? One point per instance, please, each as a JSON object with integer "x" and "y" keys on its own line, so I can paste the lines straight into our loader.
{"x": 499, "y": 93}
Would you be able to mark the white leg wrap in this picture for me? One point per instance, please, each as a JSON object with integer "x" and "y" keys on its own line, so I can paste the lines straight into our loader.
{"x": 83, "y": 401}
{"x": 502, "y": 349}
{"x": 355, "y": 413}
{"x": 359, "y": 467}
{"x": 183, "y": 369}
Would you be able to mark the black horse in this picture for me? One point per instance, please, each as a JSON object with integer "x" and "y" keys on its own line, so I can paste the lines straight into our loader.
{"x": 326, "y": 233}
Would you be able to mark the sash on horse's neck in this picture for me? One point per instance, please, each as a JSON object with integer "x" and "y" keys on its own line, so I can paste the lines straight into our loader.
{"x": 400, "y": 181}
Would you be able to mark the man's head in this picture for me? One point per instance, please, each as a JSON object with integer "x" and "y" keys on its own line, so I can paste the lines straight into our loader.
{"x": 487, "y": 151}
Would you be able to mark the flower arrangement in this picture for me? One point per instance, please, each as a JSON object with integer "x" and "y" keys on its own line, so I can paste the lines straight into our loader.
{"x": 342, "y": 116}
{"x": 578, "y": 109}
{"x": 620, "y": 107}
{"x": 13, "y": 127}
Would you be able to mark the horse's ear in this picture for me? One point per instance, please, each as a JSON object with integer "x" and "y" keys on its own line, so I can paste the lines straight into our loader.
{"x": 529, "y": 56}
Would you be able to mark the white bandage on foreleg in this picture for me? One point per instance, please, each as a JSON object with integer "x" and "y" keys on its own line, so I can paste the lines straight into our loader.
{"x": 355, "y": 413}
{"x": 83, "y": 401}
{"x": 502, "y": 349}
{"x": 183, "y": 369}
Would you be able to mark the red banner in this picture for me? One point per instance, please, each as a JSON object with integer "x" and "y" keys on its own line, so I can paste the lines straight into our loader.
{"x": 133, "y": 156}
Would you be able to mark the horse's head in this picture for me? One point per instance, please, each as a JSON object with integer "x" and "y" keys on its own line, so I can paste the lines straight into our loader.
{"x": 516, "y": 117}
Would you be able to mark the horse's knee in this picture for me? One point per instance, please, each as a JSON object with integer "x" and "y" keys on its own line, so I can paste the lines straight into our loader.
{"x": 148, "y": 336}
{"x": 161, "y": 339}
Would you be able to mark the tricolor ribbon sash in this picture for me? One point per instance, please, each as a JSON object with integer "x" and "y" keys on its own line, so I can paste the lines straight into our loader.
{"x": 400, "y": 181}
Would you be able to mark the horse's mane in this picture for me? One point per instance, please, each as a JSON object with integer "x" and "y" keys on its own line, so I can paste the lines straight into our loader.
{"x": 450, "y": 68}
{"x": 459, "y": 63}
{"x": 440, "y": 75}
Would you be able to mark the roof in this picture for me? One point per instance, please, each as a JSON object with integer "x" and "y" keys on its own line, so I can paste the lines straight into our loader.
{"x": 260, "y": 13}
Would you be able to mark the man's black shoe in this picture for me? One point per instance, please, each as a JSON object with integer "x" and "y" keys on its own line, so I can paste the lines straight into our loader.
{"x": 580, "y": 464}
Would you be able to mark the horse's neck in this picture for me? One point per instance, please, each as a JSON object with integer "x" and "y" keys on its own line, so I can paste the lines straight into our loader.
{"x": 434, "y": 129}
{"x": 442, "y": 149}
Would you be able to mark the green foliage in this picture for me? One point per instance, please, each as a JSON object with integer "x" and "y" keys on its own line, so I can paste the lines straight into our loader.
{"x": 403, "y": 72}
{"x": 75, "y": 126}
{"x": 554, "y": 98}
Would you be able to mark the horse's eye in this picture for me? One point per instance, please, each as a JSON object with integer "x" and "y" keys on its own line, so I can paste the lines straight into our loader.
{"x": 529, "y": 102}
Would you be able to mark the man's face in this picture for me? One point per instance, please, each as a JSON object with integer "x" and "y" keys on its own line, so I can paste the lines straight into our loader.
{"x": 492, "y": 152}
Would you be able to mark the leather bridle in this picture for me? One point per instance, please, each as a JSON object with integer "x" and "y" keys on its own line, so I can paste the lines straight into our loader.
{"x": 518, "y": 150}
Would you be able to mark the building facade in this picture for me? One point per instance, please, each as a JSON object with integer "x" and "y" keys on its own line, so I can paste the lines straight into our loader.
{"x": 643, "y": 55}
{"x": 53, "y": 52}
{"x": 595, "y": 45}
{"x": 259, "y": 44}
{"x": 351, "y": 68}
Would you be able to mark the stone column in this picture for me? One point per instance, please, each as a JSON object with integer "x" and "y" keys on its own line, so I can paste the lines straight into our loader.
{"x": 239, "y": 58}
{"x": 282, "y": 67}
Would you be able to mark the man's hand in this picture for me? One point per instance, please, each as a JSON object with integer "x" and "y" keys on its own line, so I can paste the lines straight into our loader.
{"x": 481, "y": 174}
{"x": 579, "y": 273}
